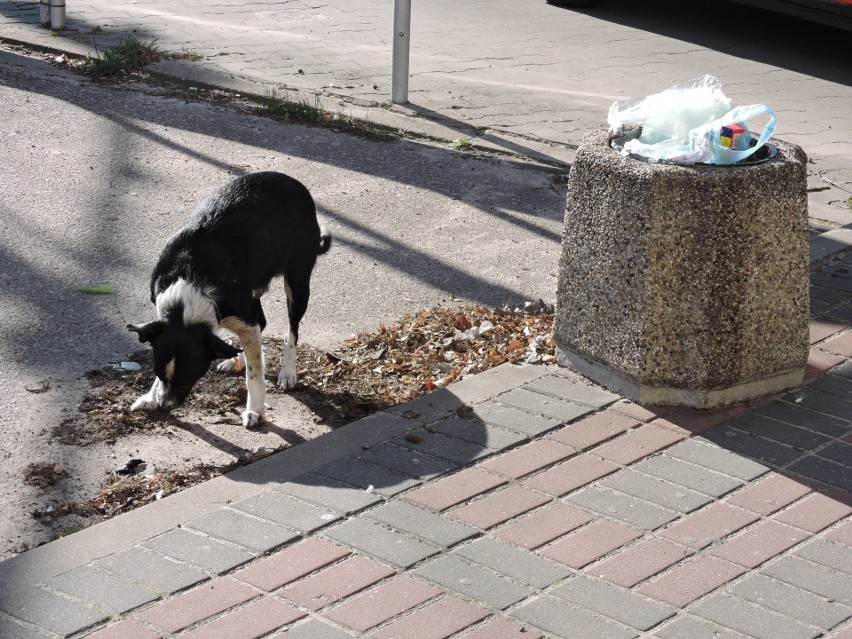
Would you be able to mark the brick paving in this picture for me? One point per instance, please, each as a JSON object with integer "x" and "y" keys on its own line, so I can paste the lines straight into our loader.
{"x": 610, "y": 525}
{"x": 554, "y": 510}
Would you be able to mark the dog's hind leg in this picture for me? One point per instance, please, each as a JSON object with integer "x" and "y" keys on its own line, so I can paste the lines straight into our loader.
{"x": 298, "y": 293}
{"x": 150, "y": 400}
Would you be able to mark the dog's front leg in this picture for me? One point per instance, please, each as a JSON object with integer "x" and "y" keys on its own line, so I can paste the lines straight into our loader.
{"x": 250, "y": 340}
{"x": 150, "y": 400}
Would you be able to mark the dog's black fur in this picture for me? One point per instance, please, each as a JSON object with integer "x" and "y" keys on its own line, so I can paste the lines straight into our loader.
{"x": 211, "y": 275}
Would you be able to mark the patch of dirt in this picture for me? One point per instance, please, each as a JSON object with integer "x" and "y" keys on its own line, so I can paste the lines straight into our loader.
{"x": 43, "y": 474}
{"x": 368, "y": 373}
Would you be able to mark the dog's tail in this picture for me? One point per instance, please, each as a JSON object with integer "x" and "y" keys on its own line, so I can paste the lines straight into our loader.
{"x": 325, "y": 240}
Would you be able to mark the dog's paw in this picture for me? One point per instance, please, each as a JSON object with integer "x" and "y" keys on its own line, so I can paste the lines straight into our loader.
{"x": 287, "y": 380}
{"x": 234, "y": 365}
{"x": 252, "y": 419}
{"x": 146, "y": 402}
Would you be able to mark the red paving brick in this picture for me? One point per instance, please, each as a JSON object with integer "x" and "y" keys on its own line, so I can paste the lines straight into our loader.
{"x": 584, "y": 546}
{"x": 196, "y": 605}
{"x": 570, "y": 475}
{"x": 770, "y": 494}
{"x": 842, "y": 534}
{"x": 820, "y": 362}
{"x": 502, "y": 628}
{"x": 593, "y": 430}
{"x": 637, "y": 444}
{"x": 292, "y": 563}
{"x": 337, "y": 582}
{"x": 543, "y": 526}
{"x": 843, "y": 633}
{"x": 759, "y": 544}
{"x": 839, "y": 345}
{"x": 823, "y": 327}
{"x": 256, "y": 620}
{"x": 647, "y": 558}
{"x": 381, "y": 603}
{"x": 814, "y": 513}
{"x": 642, "y": 413}
{"x": 124, "y": 630}
{"x": 529, "y": 458}
{"x": 690, "y": 580}
{"x": 712, "y": 523}
{"x": 438, "y": 620}
{"x": 695, "y": 422}
{"x": 455, "y": 489}
{"x": 499, "y": 506}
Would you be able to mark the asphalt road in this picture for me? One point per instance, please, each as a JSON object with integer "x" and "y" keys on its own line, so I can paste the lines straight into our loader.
{"x": 94, "y": 181}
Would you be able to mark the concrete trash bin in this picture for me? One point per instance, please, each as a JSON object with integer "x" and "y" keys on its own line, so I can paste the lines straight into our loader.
{"x": 685, "y": 285}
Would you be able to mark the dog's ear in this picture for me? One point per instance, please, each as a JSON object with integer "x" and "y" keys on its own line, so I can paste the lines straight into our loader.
{"x": 220, "y": 348}
{"x": 147, "y": 332}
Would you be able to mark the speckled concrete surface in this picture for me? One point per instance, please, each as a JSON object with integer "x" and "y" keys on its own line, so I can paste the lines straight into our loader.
{"x": 686, "y": 280}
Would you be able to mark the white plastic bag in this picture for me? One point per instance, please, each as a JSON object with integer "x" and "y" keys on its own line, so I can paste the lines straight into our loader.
{"x": 681, "y": 124}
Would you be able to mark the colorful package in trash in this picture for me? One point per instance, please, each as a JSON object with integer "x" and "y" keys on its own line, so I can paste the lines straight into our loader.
{"x": 734, "y": 137}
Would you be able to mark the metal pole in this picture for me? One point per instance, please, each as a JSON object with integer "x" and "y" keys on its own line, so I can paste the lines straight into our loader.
{"x": 57, "y": 14}
{"x": 401, "y": 42}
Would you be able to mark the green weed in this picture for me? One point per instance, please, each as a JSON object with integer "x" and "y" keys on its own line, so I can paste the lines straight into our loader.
{"x": 130, "y": 54}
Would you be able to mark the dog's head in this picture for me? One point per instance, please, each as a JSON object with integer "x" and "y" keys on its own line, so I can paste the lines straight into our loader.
{"x": 182, "y": 354}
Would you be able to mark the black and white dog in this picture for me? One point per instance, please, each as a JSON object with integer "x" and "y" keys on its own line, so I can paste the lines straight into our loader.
{"x": 211, "y": 276}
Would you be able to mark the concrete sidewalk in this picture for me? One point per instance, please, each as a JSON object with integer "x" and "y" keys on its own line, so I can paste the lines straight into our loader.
{"x": 526, "y": 79}
{"x": 522, "y": 502}
{"x": 519, "y": 503}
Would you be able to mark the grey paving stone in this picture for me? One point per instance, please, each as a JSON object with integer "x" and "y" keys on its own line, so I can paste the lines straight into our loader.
{"x": 655, "y": 490}
{"x": 313, "y": 629}
{"x": 407, "y": 462}
{"x": 827, "y": 553}
{"x": 830, "y": 295}
{"x": 692, "y": 476}
{"x": 438, "y": 445}
{"x": 236, "y": 527}
{"x": 483, "y": 386}
{"x": 515, "y": 419}
{"x": 751, "y": 620}
{"x": 577, "y": 392}
{"x": 50, "y": 611}
{"x": 823, "y": 402}
{"x": 814, "y": 577}
{"x": 752, "y": 446}
{"x": 567, "y": 622}
{"x": 789, "y": 600}
{"x": 361, "y": 474}
{"x": 844, "y": 370}
{"x": 624, "y": 507}
{"x": 690, "y": 628}
{"x": 430, "y": 407}
{"x": 834, "y": 385}
{"x": 540, "y": 404}
{"x": 839, "y": 452}
{"x": 328, "y": 493}
{"x": 513, "y": 562}
{"x": 283, "y": 509}
{"x": 103, "y": 589}
{"x": 806, "y": 418}
{"x": 411, "y": 519}
{"x": 155, "y": 571}
{"x": 775, "y": 430}
{"x": 474, "y": 582}
{"x": 717, "y": 458}
{"x": 388, "y": 545}
{"x": 825, "y": 471}
{"x": 10, "y": 629}
{"x": 478, "y": 432}
{"x": 198, "y": 550}
{"x": 613, "y": 602}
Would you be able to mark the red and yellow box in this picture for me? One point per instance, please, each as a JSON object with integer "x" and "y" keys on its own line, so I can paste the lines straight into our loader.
{"x": 734, "y": 137}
